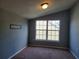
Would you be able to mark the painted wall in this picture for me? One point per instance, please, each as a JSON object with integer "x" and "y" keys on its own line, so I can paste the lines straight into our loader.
{"x": 11, "y": 40}
{"x": 64, "y": 17}
{"x": 74, "y": 30}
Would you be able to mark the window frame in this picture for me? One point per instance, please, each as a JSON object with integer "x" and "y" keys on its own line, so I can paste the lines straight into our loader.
{"x": 47, "y": 31}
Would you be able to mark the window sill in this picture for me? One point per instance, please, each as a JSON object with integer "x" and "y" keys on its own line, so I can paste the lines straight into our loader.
{"x": 48, "y": 40}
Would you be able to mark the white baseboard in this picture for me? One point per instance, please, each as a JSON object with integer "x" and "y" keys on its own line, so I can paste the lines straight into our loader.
{"x": 16, "y": 53}
{"x": 73, "y": 54}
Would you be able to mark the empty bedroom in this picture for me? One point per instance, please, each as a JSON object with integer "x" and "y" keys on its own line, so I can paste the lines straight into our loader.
{"x": 39, "y": 29}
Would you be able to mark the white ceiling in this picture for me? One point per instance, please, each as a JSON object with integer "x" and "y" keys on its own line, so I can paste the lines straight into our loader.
{"x": 32, "y": 8}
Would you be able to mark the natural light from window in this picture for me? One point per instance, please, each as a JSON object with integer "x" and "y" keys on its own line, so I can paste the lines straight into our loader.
{"x": 47, "y": 30}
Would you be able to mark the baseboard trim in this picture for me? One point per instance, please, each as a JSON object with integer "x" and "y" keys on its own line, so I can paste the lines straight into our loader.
{"x": 48, "y": 46}
{"x": 73, "y": 54}
{"x": 16, "y": 53}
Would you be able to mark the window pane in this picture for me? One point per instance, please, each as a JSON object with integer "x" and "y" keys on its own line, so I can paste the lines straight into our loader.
{"x": 41, "y": 25}
{"x": 53, "y": 35}
{"x": 40, "y": 32}
{"x": 53, "y": 30}
{"x": 43, "y": 32}
{"x": 57, "y": 33}
{"x": 37, "y": 23}
{"x": 37, "y": 36}
{"x": 53, "y": 25}
{"x": 44, "y": 37}
{"x": 49, "y": 37}
{"x": 37, "y": 32}
{"x": 49, "y": 27}
{"x": 57, "y": 38}
{"x": 54, "y": 38}
{"x": 40, "y": 35}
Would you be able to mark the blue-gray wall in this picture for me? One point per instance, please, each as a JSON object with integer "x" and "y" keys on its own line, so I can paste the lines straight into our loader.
{"x": 11, "y": 40}
{"x": 74, "y": 30}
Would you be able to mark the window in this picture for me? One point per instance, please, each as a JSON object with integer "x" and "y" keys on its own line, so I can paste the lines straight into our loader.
{"x": 53, "y": 30}
{"x": 47, "y": 30}
{"x": 41, "y": 30}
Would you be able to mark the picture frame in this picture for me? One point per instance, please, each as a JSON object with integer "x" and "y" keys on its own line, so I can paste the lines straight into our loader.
{"x": 15, "y": 26}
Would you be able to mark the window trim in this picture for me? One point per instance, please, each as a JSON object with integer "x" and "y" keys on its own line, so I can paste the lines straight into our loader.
{"x": 47, "y": 31}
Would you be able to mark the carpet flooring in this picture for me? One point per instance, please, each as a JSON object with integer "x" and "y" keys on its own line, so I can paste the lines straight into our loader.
{"x": 43, "y": 53}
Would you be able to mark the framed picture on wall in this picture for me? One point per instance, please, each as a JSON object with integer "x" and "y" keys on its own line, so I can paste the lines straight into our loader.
{"x": 15, "y": 26}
